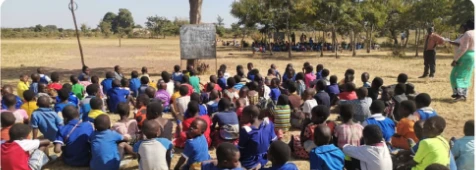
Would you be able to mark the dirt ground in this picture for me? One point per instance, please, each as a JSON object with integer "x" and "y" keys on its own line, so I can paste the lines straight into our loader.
{"x": 25, "y": 56}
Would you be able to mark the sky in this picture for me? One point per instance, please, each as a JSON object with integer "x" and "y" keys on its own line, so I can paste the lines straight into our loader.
{"x": 26, "y": 13}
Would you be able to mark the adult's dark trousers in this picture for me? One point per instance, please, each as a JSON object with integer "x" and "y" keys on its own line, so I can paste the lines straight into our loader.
{"x": 429, "y": 60}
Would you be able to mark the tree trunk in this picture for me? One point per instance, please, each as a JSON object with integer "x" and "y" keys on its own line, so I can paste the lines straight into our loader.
{"x": 287, "y": 29}
{"x": 120, "y": 44}
{"x": 353, "y": 43}
{"x": 369, "y": 36}
{"x": 407, "y": 32}
{"x": 394, "y": 37}
{"x": 417, "y": 35}
{"x": 334, "y": 39}
{"x": 269, "y": 44}
{"x": 243, "y": 39}
{"x": 195, "y": 18}
{"x": 323, "y": 42}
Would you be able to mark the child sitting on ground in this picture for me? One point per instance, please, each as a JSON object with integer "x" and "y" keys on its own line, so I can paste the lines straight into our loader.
{"x": 309, "y": 76}
{"x": 85, "y": 105}
{"x": 163, "y": 95}
{"x": 194, "y": 80}
{"x": 45, "y": 120}
{"x": 72, "y": 139}
{"x": 107, "y": 83}
{"x": 63, "y": 95}
{"x": 134, "y": 83}
{"x": 463, "y": 148}
{"x": 182, "y": 102}
{"x": 302, "y": 144}
{"x": 181, "y": 136}
{"x": 348, "y": 77}
{"x": 398, "y": 97}
{"x": 7, "y": 121}
{"x": 348, "y": 132}
{"x": 405, "y": 126}
{"x": 325, "y": 76}
{"x": 196, "y": 147}
{"x": 96, "y": 109}
{"x": 365, "y": 80}
{"x": 43, "y": 77}
{"x": 434, "y": 148}
{"x": 15, "y": 153}
{"x": 361, "y": 105}
{"x": 212, "y": 104}
{"x": 242, "y": 102}
{"x": 116, "y": 95}
{"x": 333, "y": 89}
{"x": 301, "y": 85}
{"x": 154, "y": 112}
{"x": 424, "y": 110}
{"x": 8, "y": 90}
{"x": 107, "y": 146}
{"x": 30, "y": 102}
{"x": 275, "y": 92}
{"x": 386, "y": 124}
{"x": 253, "y": 94}
{"x": 10, "y": 101}
{"x": 154, "y": 152}
{"x": 142, "y": 101}
{"x": 325, "y": 155}
{"x": 125, "y": 126}
{"x": 177, "y": 74}
{"x": 374, "y": 89}
{"x": 319, "y": 69}
{"x": 77, "y": 89}
{"x": 23, "y": 85}
{"x": 281, "y": 116}
{"x": 374, "y": 154}
{"x": 256, "y": 136}
{"x": 95, "y": 80}
{"x": 228, "y": 157}
{"x": 35, "y": 80}
{"x": 145, "y": 72}
{"x": 144, "y": 83}
{"x": 322, "y": 98}
{"x": 71, "y": 98}
{"x": 279, "y": 154}
{"x": 309, "y": 102}
{"x": 228, "y": 124}
{"x": 349, "y": 92}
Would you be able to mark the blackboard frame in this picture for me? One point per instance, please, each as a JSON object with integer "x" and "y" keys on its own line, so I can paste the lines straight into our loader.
{"x": 197, "y": 41}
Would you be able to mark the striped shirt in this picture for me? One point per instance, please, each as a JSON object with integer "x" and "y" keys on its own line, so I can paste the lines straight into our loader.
{"x": 348, "y": 134}
{"x": 282, "y": 115}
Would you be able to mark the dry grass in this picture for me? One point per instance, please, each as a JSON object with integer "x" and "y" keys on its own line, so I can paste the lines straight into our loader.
{"x": 24, "y": 56}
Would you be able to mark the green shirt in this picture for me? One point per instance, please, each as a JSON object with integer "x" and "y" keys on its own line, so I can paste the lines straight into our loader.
{"x": 430, "y": 151}
{"x": 78, "y": 90}
{"x": 195, "y": 82}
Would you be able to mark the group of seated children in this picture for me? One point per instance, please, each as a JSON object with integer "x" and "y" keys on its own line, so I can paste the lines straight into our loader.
{"x": 245, "y": 117}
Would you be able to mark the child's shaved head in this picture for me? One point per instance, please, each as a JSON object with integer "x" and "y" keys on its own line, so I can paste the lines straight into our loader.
{"x": 10, "y": 100}
{"x": 151, "y": 129}
{"x": 7, "y": 89}
{"x": 372, "y": 134}
{"x": 279, "y": 152}
{"x": 228, "y": 156}
{"x": 19, "y": 132}
{"x": 434, "y": 126}
{"x": 102, "y": 122}
{"x": 43, "y": 101}
{"x": 322, "y": 135}
{"x": 214, "y": 95}
{"x": 469, "y": 128}
{"x": 7, "y": 119}
{"x": 150, "y": 91}
{"x": 116, "y": 83}
{"x": 418, "y": 129}
{"x": 70, "y": 112}
{"x": 35, "y": 77}
{"x": 109, "y": 74}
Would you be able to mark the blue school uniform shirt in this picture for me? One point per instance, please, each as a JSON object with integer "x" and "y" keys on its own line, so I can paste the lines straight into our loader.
{"x": 177, "y": 76}
{"x": 452, "y": 165}
{"x": 286, "y": 166}
{"x": 222, "y": 83}
{"x": 72, "y": 98}
{"x": 212, "y": 107}
{"x": 463, "y": 150}
{"x": 323, "y": 98}
{"x": 333, "y": 89}
{"x": 106, "y": 85}
{"x": 238, "y": 86}
{"x": 104, "y": 150}
{"x": 426, "y": 113}
{"x": 326, "y": 157}
{"x": 202, "y": 111}
{"x": 319, "y": 75}
{"x": 44, "y": 79}
{"x": 386, "y": 125}
{"x": 228, "y": 123}
{"x": 60, "y": 106}
{"x": 210, "y": 166}
{"x": 116, "y": 96}
{"x": 254, "y": 143}
{"x": 134, "y": 85}
{"x": 196, "y": 150}
{"x": 250, "y": 76}
{"x": 76, "y": 148}
{"x": 47, "y": 121}
{"x": 275, "y": 93}
{"x": 142, "y": 88}
{"x": 17, "y": 106}
{"x": 285, "y": 78}
{"x": 85, "y": 108}
{"x": 34, "y": 87}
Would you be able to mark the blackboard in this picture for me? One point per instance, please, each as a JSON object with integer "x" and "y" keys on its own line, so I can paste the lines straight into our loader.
{"x": 197, "y": 41}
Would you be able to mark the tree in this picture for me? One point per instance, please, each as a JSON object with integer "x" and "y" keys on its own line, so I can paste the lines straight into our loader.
{"x": 110, "y": 18}
{"x": 124, "y": 21}
{"x": 38, "y": 28}
{"x": 374, "y": 15}
{"x": 220, "y": 21}
{"x": 158, "y": 25}
{"x": 177, "y": 23}
{"x": 84, "y": 28}
{"x": 464, "y": 10}
{"x": 220, "y": 29}
{"x": 138, "y": 26}
{"x": 105, "y": 28}
{"x": 195, "y": 18}
{"x": 60, "y": 29}
{"x": 50, "y": 28}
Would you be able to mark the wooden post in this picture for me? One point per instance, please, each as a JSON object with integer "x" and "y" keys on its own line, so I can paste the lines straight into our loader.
{"x": 71, "y": 7}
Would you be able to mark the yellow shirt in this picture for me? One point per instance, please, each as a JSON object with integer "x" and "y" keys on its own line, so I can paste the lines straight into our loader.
{"x": 95, "y": 113}
{"x": 29, "y": 107}
{"x": 22, "y": 87}
{"x": 430, "y": 151}
{"x": 174, "y": 97}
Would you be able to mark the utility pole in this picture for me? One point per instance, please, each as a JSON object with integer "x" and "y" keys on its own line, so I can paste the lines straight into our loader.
{"x": 72, "y": 4}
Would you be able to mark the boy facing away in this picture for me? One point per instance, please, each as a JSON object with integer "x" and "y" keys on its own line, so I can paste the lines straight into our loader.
{"x": 279, "y": 154}
{"x": 377, "y": 118}
{"x": 30, "y": 102}
{"x": 45, "y": 120}
{"x": 463, "y": 149}
{"x": 153, "y": 152}
{"x": 326, "y": 155}
{"x": 424, "y": 111}
{"x": 15, "y": 153}
{"x": 72, "y": 139}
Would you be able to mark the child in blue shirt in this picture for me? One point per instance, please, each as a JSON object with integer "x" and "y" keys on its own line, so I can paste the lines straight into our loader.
{"x": 104, "y": 145}
{"x": 221, "y": 79}
{"x": 35, "y": 80}
{"x": 386, "y": 124}
{"x": 463, "y": 148}
{"x": 319, "y": 69}
{"x": 196, "y": 146}
{"x": 45, "y": 120}
{"x": 85, "y": 107}
{"x": 228, "y": 158}
{"x": 325, "y": 155}
{"x": 144, "y": 81}
{"x": 279, "y": 154}
{"x": 64, "y": 96}
{"x": 177, "y": 75}
{"x": 116, "y": 95}
{"x": 365, "y": 79}
{"x": 71, "y": 97}
{"x": 424, "y": 110}
{"x": 6, "y": 90}
{"x": 275, "y": 92}
{"x": 255, "y": 137}
{"x": 107, "y": 83}
{"x": 73, "y": 138}
{"x": 134, "y": 83}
